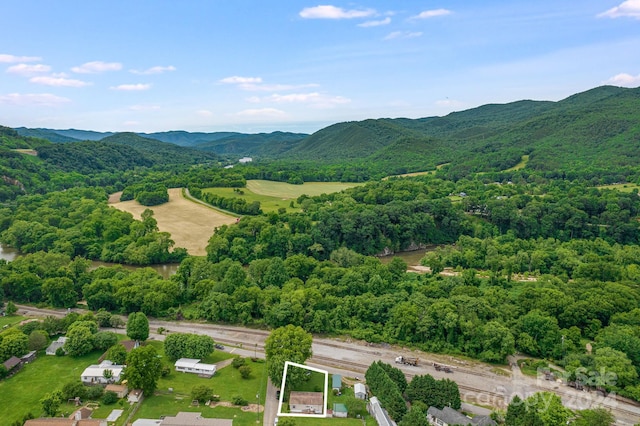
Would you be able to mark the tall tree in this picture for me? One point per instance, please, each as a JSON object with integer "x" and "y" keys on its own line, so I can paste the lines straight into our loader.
{"x": 290, "y": 343}
{"x": 80, "y": 341}
{"x": 138, "y": 326}
{"x": 143, "y": 369}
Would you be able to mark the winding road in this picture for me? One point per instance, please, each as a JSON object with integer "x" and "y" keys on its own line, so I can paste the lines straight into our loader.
{"x": 480, "y": 384}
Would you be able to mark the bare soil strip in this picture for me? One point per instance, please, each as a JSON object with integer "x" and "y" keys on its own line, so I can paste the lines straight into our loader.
{"x": 189, "y": 223}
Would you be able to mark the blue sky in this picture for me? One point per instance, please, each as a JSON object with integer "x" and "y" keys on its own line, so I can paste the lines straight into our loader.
{"x": 264, "y": 65}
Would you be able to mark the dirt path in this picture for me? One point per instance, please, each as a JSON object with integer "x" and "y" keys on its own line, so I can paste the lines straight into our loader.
{"x": 190, "y": 224}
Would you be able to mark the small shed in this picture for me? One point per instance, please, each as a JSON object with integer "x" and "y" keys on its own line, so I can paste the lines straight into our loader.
{"x": 336, "y": 382}
{"x": 30, "y": 357}
{"x": 340, "y": 410}
{"x": 360, "y": 391}
{"x": 135, "y": 396}
{"x": 13, "y": 364}
{"x": 120, "y": 390}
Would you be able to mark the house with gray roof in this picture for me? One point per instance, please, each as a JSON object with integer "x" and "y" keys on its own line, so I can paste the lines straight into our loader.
{"x": 450, "y": 417}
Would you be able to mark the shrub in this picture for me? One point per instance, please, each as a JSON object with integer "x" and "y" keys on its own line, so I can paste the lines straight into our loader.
{"x": 201, "y": 393}
{"x": 94, "y": 393}
{"x": 110, "y": 397}
{"x": 239, "y": 400}
{"x": 60, "y": 352}
{"x": 238, "y": 362}
{"x": 245, "y": 371}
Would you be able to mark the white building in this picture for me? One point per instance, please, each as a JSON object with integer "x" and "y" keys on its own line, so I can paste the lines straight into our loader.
{"x": 95, "y": 374}
{"x": 190, "y": 365}
{"x": 360, "y": 391}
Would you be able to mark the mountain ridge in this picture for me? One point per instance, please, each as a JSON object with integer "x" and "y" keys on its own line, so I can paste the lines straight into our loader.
{"x": 491, "y": 137}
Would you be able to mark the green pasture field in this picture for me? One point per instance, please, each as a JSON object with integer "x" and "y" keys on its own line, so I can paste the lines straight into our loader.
{"x": 276, "y": 195}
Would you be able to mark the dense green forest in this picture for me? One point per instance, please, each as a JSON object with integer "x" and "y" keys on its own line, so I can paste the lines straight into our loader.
{"x": 539, "y": 258}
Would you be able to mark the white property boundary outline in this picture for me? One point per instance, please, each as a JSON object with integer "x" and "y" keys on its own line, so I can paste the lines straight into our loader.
{"x": 284, "y": 382}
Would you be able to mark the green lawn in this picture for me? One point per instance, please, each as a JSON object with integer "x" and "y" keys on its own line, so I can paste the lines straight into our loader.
{"x": 10, "y": 320}
{"x": 276, "y": 195}
{"x": 22, "y": 392}
{"x": 226, "y": 383}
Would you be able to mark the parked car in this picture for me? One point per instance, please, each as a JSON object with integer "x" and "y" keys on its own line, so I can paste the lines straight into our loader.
{"x": 278, "y": 395}
{"x": 219, "y": 346}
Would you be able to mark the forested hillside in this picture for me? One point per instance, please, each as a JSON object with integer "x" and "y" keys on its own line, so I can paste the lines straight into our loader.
{"x": 587, "y": 131}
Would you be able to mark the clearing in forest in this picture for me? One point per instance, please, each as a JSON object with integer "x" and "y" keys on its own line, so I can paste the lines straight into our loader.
{"x": 190, "y": 223}
{"x": 279, "y": 195}
{"x": 289, "y": 191}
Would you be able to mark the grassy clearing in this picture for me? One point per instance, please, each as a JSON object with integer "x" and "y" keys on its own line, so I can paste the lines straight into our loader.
{"x": 623, "y": 187}
{"x": 280, "y": 195}
{"x": 267, "y": 203}
{"x": 521, "y": 165}
{"x": 287, "y": 191}
{"x": 11, "y": 320}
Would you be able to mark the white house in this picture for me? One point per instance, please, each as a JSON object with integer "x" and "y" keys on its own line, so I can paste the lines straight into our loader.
{"x": 360, "y": 391}
{"x": 245, "y": 160}
{"x": 190, "y": 365}
{"x": 95, "y": 374}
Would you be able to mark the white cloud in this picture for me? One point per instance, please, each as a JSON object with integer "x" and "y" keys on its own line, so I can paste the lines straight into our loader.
{"x": 131, "y": 87}
{"x": 31, "y": 99}
{"x": 625, "y": 80}
{"x": 26, "y": 70}
{"x": 262, "y": 113}
{"x": 154, "y": 70}
{"x": 402, "y": 34}
{"x": 96, "y": 67}
{"x": 256, "y": 84}
{"x": 629, "y": 8}
{"x": 12, "y": 59}
{"x": 314, "y": 98}
{"x": 144, "y": 107}
{"x": 431, "y": 14}
{"x": 385, "y": 21}
{"x": 241, "y": 80}
{"x": 130, "y": 123}
{"x": 333, "y": 12}
{"x": 58, "y": 81}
